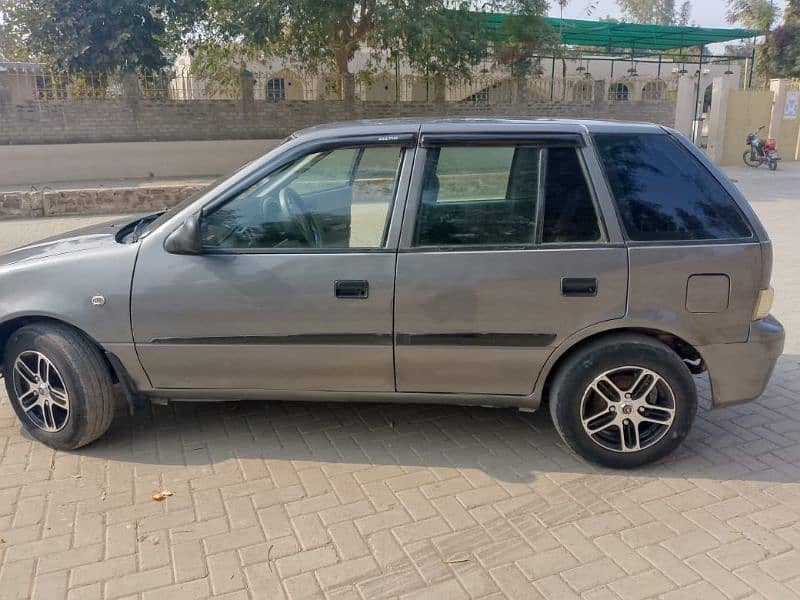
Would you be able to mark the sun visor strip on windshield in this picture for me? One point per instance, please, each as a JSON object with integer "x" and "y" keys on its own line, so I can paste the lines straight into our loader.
{"x": 574, "y": 140}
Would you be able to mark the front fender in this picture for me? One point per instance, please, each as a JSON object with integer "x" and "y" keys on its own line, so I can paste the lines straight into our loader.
{"x": 62, "y": 286}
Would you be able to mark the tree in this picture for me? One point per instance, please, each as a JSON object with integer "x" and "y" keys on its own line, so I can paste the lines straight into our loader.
{"x": 524, "y": 40}
{"x": 560, "y": 51}
{"x": 656, "y": 12}
{"x": 81, "y": 35}
{"x": 754, "y": 14}
{"x": 439, "y": 37}
{"x": 759, "y": 15}
{"x": 11, "y": 47}
{"x": 782, "y": 54}
{"x": 684, "y": 14}
{"x": 318, "y": 34}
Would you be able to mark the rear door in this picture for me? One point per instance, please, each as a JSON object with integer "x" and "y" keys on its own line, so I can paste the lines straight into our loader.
{"x": 503, "y": 254}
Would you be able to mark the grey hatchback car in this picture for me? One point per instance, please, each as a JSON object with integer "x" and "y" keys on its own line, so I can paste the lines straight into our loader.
{"x": 592, "y": 266}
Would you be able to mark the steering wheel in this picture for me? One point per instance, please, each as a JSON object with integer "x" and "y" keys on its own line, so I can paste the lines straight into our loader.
{"x": 291, "y": 206}
{"x": 218, "y": 233}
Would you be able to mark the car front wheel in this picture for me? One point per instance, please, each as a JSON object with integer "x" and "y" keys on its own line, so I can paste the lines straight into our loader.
{"x": 624, "y": 401}
{"x": 58, "y": 384}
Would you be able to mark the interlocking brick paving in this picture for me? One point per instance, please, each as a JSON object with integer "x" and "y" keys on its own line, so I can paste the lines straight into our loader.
{"x": 365, "y": 501}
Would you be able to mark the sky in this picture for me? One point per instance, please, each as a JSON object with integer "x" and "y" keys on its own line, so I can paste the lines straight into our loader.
{"x": 706, "y": 13}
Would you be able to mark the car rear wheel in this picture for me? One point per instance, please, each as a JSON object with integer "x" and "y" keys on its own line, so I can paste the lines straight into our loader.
{"x": 624, "y": 401}
{"x": 59, "y": 385}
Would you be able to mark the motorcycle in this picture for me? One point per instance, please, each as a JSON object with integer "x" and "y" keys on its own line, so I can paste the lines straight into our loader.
{"x": 761, "y": 151}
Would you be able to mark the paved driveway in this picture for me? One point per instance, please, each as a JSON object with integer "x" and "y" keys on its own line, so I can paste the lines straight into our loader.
{"x": 358, "y": 501}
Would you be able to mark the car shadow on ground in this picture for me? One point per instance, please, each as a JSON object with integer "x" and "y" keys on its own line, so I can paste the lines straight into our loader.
{"x": 757, "y": 441}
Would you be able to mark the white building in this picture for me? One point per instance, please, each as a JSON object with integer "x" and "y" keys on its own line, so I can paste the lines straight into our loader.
{"x": 623, "y": 79}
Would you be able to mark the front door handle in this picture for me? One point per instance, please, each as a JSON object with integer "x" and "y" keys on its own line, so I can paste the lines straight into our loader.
{"x": 351, "y": 288}
{"x": 579, "y": 286}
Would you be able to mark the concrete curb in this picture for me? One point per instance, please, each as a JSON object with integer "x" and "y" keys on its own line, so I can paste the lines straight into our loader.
{"x": 95, "y": 201}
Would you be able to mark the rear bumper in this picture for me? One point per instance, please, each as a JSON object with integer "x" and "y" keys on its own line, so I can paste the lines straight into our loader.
{"x": 740, "y": 372}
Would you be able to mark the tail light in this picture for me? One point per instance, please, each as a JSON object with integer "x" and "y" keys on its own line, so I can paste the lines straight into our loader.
{"x": 763, "y": 303}
{"x": 771, "y": 144}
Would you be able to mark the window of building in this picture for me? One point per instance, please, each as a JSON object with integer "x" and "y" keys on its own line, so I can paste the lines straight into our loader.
{"x": 276, "y": 90}
{"x": 618, "y": 92}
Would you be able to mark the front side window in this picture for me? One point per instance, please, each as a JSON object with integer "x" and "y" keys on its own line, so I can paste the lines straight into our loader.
{"x": 490, "y": 196}
{"x": 338, "y": 198}
{"x": 663, "y": 193}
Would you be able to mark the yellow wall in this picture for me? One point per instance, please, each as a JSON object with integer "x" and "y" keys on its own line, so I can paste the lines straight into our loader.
{"x": 747, "y": 110}
{"x": 787, "y": 142}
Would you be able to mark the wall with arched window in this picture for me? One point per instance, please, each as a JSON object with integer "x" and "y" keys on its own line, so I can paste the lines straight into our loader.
{"x": 582, "y": 91}
{"x": 278, "y": 86}
{"x": 619, "y": 92}
{"x": 654, "y": 90}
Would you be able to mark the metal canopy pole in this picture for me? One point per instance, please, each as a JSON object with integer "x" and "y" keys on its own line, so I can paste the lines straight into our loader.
{"x": 697, "y": 95}
{"x": 752, "y": 65}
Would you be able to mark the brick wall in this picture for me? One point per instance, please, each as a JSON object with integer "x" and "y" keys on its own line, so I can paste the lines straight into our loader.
{"x": 93, "y": 201}
{"x": 144, "y": 120}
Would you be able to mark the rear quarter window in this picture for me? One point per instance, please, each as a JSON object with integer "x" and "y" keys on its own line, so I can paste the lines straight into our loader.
{"x": 663, "y": 193}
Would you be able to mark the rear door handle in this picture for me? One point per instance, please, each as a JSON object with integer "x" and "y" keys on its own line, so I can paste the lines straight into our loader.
{"x": 351, "y": 288}
{"x": 579, "y": 286}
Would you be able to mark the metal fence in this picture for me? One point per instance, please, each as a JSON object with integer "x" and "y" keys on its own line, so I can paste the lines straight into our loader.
{"x": 485, "y": 86}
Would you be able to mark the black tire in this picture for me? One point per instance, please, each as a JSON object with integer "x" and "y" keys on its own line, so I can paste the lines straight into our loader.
{"x": 773, "y": 165}
{"x": 617, "y": 352}
{"x": 85, "y": 376}
{"x": 747, "y": 157}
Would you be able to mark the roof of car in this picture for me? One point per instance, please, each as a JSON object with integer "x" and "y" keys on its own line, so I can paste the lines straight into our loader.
{"x": 475, "y": 124}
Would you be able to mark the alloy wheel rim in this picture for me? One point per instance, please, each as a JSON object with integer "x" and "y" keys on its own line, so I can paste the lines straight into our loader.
{"x": 40, "y": 391}
{"x": 627, "y": 409}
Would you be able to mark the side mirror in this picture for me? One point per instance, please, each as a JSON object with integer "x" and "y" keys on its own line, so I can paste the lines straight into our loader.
{"x": 186, "y": 238}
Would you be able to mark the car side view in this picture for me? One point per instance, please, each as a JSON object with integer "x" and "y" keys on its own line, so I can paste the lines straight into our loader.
{"x": 593, "y": 267}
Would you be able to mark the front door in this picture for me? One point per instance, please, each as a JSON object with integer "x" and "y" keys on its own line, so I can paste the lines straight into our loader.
{"x": 503, "y": 255}
{"x": 294, "y": 288}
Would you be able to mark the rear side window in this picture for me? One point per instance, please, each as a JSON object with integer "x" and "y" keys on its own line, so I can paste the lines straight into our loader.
{"x": 489, "y": 196}
{"x": 474, "y": 196}
{"x": 664, "y": 194}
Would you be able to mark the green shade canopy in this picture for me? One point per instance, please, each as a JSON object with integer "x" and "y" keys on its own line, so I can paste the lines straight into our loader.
{"x": 630, "y": 36}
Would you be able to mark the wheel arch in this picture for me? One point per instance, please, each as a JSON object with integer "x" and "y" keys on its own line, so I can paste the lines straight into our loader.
{"x": 685, "y": 350}
{"x": 9, "y": 326}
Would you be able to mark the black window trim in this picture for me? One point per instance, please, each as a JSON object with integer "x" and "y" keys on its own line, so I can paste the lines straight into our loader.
{"x": 405, "y": 142}
{"x": 512, "y": 247}
{"x": 631, "y": 243}
{"x": 517, "y": 140}
{"x": 432, "y": 140}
